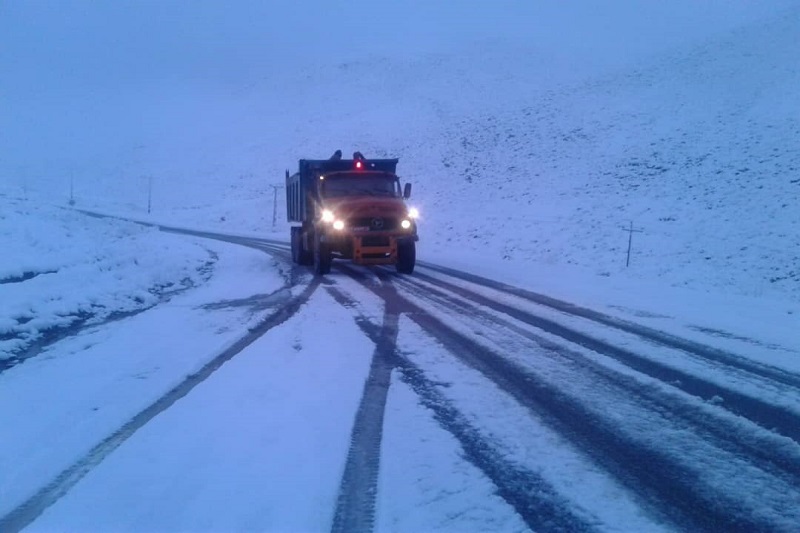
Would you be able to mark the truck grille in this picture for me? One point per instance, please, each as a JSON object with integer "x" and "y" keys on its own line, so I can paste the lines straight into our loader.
{"x": 375, "y": 223}
{"x": 375, "y": 240}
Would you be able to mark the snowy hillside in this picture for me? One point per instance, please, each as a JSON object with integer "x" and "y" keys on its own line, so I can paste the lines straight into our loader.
{"x": 694, "y": 149}
{"x": 61, "y": 271}
{"x": 533, "y": 139}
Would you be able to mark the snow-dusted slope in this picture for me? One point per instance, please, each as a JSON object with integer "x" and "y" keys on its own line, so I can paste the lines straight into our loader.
{"x": 532, "y": 134}
{"x": 694, "y": 148}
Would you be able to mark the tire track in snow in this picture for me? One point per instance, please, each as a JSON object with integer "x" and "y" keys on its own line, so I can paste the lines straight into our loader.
{"x": 355, "y": 507}
{"x": 662, "y": 484}
{"x": 662, "y": 338}
{"x": 532, "y": 497}
{"x": 771, "y": 453}
{"x": 535, "y": 500}
{"x": 767, "y": 415}
{"x": 29, "y": 510}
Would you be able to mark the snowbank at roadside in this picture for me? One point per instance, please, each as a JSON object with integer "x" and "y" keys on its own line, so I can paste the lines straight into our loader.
{"x": 60, "y": 268}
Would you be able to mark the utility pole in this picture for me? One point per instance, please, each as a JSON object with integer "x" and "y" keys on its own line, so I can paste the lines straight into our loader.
{"x": 71, "y": 190}
{"x": 630, "y": 231}
{"x": 149, "y": 193}
{"x": 275, "y": 204}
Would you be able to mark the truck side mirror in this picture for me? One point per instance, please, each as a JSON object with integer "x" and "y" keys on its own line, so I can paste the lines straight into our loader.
{"x": 407, "y": 191}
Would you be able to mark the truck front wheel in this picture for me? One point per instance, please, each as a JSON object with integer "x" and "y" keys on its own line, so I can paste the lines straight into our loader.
{"x": 406, "y": 257}
{"x": 305, "y": 256}
{"x": 322, "y": 257}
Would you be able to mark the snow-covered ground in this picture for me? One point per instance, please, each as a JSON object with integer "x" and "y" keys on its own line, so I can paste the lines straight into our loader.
{"x": 533, "y": 135}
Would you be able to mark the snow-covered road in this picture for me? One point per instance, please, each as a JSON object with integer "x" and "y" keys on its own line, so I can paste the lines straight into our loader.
{"x": 367, "y": 400}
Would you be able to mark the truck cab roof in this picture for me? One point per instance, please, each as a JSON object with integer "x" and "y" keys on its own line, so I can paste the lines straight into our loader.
{"x": 321, "y": 166}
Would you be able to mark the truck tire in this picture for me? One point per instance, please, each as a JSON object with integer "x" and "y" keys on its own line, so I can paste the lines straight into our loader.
{"x": 322, "y": 258}
{"x": 296, "y": 243}
{"x": 304, "y": 255}
{"x": 406, "y": 257}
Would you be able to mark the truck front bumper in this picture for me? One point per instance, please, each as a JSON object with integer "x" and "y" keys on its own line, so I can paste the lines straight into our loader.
{"x": 366, "y": 249}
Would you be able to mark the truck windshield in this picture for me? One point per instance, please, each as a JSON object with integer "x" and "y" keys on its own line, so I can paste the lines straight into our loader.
{"x": 360, "y": 185}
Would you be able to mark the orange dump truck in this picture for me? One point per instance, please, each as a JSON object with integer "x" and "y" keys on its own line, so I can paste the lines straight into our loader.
{"x": 350, "y": 209}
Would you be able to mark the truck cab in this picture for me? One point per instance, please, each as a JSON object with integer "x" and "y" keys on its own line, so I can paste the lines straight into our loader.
{"x": 351, "y": 209}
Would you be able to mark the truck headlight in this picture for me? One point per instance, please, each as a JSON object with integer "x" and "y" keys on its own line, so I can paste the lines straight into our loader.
{"x": 338, "y": 224}
{"x": 413, "y": 212}
{"x": 405, "y": 224}
{"x": 327, "y": 215}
